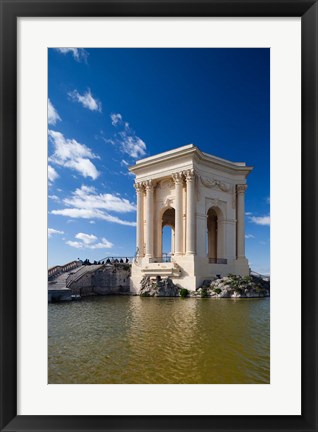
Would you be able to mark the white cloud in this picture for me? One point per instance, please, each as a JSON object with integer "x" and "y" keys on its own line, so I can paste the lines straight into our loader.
{"x": 248, "y": 213}
{"x": 132, "y": 145}
{"x": 127, "y": 139}
{"x": 52, "y": 231}
{"x": 86, "y": 203}
{"x": 249, "y": 236}
{"x": 124, "y": 163}
{"x": 52, "y": 174}
{"x": 87, "y": 198}
{"x": 89, "y": 214}
{"x": 54, "y": 197}
{"x": 74, "y": 244}
{"x": 52, "y": 114}
{"x": 86, "y": 100}
{"x": 86, "y": 238}
{"x": 260, "y": 220}
{"x": 89, "y": 241}
{"x": 91, "y": 222}
{"x": 116, "y": 119}
{"x": 79, "y": 54}
{"x": 71, "y": 154}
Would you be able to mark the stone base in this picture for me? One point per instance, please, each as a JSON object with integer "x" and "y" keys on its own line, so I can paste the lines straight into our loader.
{"x": 180, "y": 271}
{"x": 185, "y": 271}
{"x": 241, "y": 267}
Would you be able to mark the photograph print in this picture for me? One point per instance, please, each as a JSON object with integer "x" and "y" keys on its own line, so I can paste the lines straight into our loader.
{"x": 158, "y": 215}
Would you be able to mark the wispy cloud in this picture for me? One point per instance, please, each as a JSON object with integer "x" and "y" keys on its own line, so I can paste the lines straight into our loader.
{"x": 54, "y": 197}
{"x": 86, "y": 203}
{"x": 127, "y": 139}
{"x": 52, "y": 174}
{"x": 79, "y": 54}
{"x": 87, "y": 197}
{"x": 260, "y": 220}
{"x": 52, "y": 114}
{"x": 89, "y": 241}
{"x": 116, "y": 119}
{"x": 52, "y": 231}
{"x": 86, "y": 99}
{"x": 249, "y": 236}
{"x": 71, "y": 154}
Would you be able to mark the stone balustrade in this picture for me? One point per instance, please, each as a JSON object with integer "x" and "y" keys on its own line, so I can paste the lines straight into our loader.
{"x": 64, "y": 268}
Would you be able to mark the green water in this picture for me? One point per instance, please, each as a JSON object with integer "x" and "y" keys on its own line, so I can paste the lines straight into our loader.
{"x": 159, "y": 340}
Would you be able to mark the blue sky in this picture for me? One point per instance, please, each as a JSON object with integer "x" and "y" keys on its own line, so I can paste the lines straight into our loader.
{"x": 110, "y": 107}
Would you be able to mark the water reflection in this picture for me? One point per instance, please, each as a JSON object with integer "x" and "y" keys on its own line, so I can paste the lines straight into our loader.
{"x": 159, "y": 340}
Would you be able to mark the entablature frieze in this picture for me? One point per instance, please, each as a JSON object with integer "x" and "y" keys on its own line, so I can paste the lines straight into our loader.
{"x": 168, "y": 182}
{"x": 213, "y": 183}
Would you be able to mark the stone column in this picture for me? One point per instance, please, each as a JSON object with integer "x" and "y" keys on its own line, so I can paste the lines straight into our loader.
{"x": 201, "y": 242}
{"x": 191, "y": 203}
{"x": 178, "y": 179}
{"x": 240, "y": 227}
{"x": 140, "y": 218}
{"x": 229, "y": 239}
{"x": 149, "y": 218}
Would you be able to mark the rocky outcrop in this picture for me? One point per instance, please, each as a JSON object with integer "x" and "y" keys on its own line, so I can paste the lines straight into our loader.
{"x": 227, "y": 287}
{"x": 234, "y": 287}
{"x": 158, "y": 288}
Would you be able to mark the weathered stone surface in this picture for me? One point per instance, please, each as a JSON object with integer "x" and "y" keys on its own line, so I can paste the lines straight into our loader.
{"x": 234, "y": 287}
{"x": 159, "y": 288}
{"x": 107, "y": 279}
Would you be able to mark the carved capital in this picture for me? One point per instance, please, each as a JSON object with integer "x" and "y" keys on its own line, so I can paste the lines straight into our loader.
{"x": 139, "y": 187}
{"x": 177, "y": 177}
{"x": 241, "y": 188}
{"x": 189, "y": 175}
{"x": 148, "y": 185}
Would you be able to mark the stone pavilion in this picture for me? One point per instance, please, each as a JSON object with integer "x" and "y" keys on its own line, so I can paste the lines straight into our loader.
{"x": 201, "y": 197}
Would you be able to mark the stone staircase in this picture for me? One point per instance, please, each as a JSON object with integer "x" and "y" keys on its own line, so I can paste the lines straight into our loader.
{"x": 63, "y": 281}
{"x": 75, "y": 276}
{"x": 60, "y": 281}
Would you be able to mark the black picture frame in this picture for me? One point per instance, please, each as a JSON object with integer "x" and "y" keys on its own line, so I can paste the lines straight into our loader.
{"x": 10, "y": 11}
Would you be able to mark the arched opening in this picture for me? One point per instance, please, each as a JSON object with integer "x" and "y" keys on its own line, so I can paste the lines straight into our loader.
{"x": 168, "y": 229}
{"x": 215, "y": 236}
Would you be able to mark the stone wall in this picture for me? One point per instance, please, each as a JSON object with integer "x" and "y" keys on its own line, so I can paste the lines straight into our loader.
{"x": 108, "y": 279}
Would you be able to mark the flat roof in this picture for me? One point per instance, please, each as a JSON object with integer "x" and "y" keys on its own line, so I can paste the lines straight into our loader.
{"x": 186, "y": 150}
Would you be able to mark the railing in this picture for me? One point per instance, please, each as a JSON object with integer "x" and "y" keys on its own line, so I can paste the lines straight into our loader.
{"x": 74, "y": 277}
{"x": 54, "y": 270}
{"x": 61, "y": 269}
{"x": 164, "y": 259}
{"x": 217, "y": 261}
